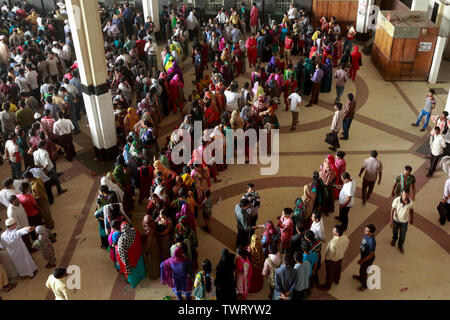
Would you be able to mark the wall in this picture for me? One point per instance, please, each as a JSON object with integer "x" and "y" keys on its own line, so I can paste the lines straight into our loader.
{"x": 393, "y": 5}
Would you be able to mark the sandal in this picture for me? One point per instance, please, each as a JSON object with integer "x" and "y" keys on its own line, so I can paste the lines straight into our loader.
{"x": 9, "y": 287}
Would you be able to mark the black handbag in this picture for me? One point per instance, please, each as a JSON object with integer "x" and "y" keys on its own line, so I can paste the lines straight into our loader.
{"x": 442, "y": 210}
{"x": 332, "y": 139}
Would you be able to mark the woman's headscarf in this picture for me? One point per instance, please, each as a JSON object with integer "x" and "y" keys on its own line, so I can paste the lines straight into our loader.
{"x": 132, "y": 117}
{"x": 120, "y": 176}
{"x": 106, "y": 180}
{"x": 191, "y": 21}
{"x": 328, "y": 171}
{"x": 178, "y": 255}
{"x": 270, "y": 232}
{"x": 256, "y": 252}
{"x": 272, "y": 65}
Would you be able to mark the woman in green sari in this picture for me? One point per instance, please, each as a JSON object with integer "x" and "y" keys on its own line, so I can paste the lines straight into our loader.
{"x": 308, "y": 69}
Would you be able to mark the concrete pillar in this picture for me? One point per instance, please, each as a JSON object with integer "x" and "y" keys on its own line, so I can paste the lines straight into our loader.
{"x": 447, "y": 104}
{"x": 419, "y": 5}
{"x": 84, "y": 20}
{"x": 437, "y": 59}
{"x": 366, "y": 19}
{"x": 150, "y": 8}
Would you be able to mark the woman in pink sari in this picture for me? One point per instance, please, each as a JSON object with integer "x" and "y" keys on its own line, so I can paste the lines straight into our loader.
{"x": 176, "y": 93}
{"x": 340, "y": 168}
{"x": 222, "y": 44}
{"x": 287, "y": 229}
{"x": 243, "y": 273}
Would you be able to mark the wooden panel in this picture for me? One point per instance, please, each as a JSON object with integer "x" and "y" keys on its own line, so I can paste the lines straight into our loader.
{"x": 333, "y": 8}
{"x": 344, "y": 11}
{"x": 353, "y": 14}
{"x": 397, "y": 50}
{"x": 409, "y": 50}
{"x": 383, "y": 42}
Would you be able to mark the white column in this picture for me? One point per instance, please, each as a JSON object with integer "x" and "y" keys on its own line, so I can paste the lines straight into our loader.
{"x": 447, "y": 105}
{"x": 365, "y": 15}
{"x": 419, "y": 5}
{"x": 84, "y": 20}
{"x": 437, "y": 59}
{"x": 150, "y": 8}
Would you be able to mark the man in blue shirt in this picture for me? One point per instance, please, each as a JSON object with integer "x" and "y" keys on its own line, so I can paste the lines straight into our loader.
{"x": 285, "y": 280}
{"x": 128, "y": 19}
{"x": 367, "y": 249}
{"x": 315, "y": 88}
{"x": 303, "y": 270}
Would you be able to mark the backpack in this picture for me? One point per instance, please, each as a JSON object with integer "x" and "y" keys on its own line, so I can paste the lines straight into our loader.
{"x": 271, "y": 278}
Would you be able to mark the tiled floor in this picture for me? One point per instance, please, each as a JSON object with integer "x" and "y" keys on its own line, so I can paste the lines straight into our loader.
{"x": 382, "y": 122}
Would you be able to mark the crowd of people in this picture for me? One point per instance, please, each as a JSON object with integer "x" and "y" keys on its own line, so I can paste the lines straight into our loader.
{"x": 40, "y": 92}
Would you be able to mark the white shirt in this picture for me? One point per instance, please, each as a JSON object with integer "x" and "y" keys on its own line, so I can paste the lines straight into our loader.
{"x": 318, "y": 229}
{"x": 438, "y": 145}
{"x": 150, "y": 48}
{"x": 32, "y": 79}
{"x": 348, "y": 190}
{"x": 39, "y": 173}
{"x": 292, "y": 13}
{"x": 42, "y": 159}
{"x": 295, "y": 101}
{"x": 232, "y": 99}
{"x": 19, "y": 214}
{"x": 12, "y": 148}
{"x": 63, "y": 126}
{"x": 58, "y": 287}
{"x": 338, "y": 118}
{"x": 4, "y": 195}
{"x": 71, "y": 89}
{"x": 402, "y": 211}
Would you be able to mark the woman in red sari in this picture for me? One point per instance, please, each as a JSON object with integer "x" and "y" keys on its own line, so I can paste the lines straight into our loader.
{"x": 337, "y": 52}
{"x": 237, "y": 62}
{"x": 252, "y": 52}
{"x": 355, "y": 61}
{"x": 146, "y": 178}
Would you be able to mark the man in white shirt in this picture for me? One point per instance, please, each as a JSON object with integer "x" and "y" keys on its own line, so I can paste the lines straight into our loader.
{"x": 317, "y": 226}
{"x": 437, "y": 147}
{"x": 22, "y": 82}
{"x": 17, "y": 212}
{"x": 232, "y": 97}
{"x": 346, "y": 199}
{"x": 32, "y": 79}
{"x": 295, "y": 101}
{"x": 70, "y": 88}
{"x": 151, "y": 48}
{"x": 402, "y": 213}
{"x": 42, "y": 160}
{"x": 63, "y": 128}
{"x": 7, "y": 191}
{"x": 11, "y": 240}
{"x": 336, "y": 124}
{"x": 292, "y": 13}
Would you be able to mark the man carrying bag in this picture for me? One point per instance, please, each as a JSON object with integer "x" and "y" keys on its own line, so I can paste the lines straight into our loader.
{"x": 332, "y": 137}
